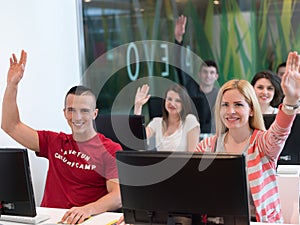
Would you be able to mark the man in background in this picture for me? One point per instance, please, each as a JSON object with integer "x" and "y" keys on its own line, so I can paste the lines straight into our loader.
{"x": 281, "y": 69}
{"x": 208, "y": 75}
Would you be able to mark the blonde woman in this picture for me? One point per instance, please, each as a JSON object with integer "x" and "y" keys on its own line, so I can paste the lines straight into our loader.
{"x": 240, "y": 129}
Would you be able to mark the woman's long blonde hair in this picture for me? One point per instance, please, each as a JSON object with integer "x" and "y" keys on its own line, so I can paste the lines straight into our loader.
{"x": 245, "y": 88}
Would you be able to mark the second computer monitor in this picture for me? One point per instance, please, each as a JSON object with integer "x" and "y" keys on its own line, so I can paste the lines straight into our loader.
{"x": 290, "y": 154}
{"x": 127, "y": 130}
{"x": 199, "y": 108}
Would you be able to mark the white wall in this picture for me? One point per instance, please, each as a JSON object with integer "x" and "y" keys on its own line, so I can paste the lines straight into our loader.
{"x": 47, "y": 30}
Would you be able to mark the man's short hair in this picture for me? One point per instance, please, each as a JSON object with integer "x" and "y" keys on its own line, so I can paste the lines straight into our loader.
{"x": 280, "y": 65}
{"x": 209, "y": 63}
{"x": 79, "y": 90}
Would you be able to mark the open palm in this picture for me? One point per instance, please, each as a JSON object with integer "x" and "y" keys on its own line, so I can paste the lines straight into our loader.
{"x": 141, "y": 97}
{"x": 16, "y": 69}
{"x": 180, "y": 27}
{"x": 291, "y": 79}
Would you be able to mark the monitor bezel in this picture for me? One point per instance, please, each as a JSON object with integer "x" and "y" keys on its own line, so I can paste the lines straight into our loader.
{"x": 290, "y": 155}
{"x": 12, "y": 205}
{"x": 133, "y": 215}
{"x": 118, "y": 126}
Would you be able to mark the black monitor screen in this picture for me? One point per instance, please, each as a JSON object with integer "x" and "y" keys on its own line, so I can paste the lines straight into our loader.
{"x": 155, "y": 105}
{"x": 203, "y": 113}
{"x": 165, "y": 187}
{"x": 16, "y": 192}
{"x": 290, "y": 154}
{"x": 127, "y": 130}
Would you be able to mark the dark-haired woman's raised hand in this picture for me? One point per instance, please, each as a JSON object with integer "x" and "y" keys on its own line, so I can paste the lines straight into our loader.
{"x": 141, "y": 98}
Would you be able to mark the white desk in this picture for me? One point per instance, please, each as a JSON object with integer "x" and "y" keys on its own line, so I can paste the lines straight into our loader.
{"x": 289, "y": 188}
{"x": 101, "y": 219}
{"x": 57, "y": 214}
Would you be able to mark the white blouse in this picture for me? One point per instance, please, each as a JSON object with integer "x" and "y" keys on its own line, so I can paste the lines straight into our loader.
{"x": 176, "y": 141}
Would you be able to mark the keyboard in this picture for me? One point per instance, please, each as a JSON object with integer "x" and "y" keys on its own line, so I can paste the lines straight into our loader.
{"x": 25, "y": 219}
{"x": 288, "y": 169}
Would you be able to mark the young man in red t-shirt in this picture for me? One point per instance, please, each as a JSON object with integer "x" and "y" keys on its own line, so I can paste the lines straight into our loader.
{"x": 82, "y": 174}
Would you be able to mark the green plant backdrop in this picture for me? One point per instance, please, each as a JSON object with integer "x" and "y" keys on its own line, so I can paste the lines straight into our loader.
{"x": 241, "y": 39}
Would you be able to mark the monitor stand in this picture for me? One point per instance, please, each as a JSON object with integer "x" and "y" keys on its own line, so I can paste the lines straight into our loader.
{"x": 1, "y": 208}
{"x": 0, "y": 211}
{"x": 179, "y": 220}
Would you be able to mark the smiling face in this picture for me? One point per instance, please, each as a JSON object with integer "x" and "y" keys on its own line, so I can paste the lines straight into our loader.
{"x": 208, "y": 76}
{"x": 173, "y": 103}
{"x": 234, "y": 110}
{"x": 80, "y": 112}
{"x": 264, "y": 91}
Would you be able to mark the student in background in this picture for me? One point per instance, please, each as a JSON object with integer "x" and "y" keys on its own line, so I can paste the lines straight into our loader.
{"x": 208, "y": 75}
{"x": 268, "y": 91}
{"x": 177, "y": 129}
{"x": 82, "y": 174}
{"x": 281, "y": 69}
{"x": 240, "y": 129}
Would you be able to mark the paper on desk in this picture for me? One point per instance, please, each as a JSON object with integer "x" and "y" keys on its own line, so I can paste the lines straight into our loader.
{"x": 109, "y": 218}
{"x": 113, "y": 222}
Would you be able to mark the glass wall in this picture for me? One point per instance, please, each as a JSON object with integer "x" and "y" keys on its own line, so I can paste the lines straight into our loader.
{"x": 242, "y": 36}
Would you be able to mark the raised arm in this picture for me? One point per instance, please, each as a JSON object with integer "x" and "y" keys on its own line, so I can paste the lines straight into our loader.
{"x": 11, "y": 122}
{"x": 180, "y": 28}
{"x": 179, "y": 31}
{"x": 290, "y": 84}
{"x": 273, "y": 140}
{"x": 141, "y": 98}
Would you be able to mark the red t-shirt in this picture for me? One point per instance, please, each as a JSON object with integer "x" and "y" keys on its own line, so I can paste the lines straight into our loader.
{"x": 78, "y": 171}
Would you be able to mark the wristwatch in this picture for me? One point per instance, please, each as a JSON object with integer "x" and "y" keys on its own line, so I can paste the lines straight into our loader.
{"x": 291, "y": 107}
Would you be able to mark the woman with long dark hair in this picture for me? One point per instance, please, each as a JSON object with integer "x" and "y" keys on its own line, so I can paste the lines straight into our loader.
{"x": 268, "y": 91}
{"x": 178, "y": 129}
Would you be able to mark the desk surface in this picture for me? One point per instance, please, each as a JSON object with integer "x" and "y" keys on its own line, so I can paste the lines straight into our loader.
{"x": 101, "y": 219}
{"x": 57, "y": 214}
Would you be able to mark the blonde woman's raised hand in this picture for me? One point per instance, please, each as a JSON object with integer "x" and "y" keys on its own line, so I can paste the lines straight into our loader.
{"x": 141, "y": 98}
{"x": 290, "y": 82}
{"x": 16, "y": 69}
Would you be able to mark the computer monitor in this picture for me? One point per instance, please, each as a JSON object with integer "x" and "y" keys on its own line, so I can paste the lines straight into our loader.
{"x": 182, "y": 187}
{"x": 203, "y": 112}
{"x": 155, "y": 105}
{"x": 16, "y": 192}
{"x": 127, "y": 130}
{"x": 290, "y": 154}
